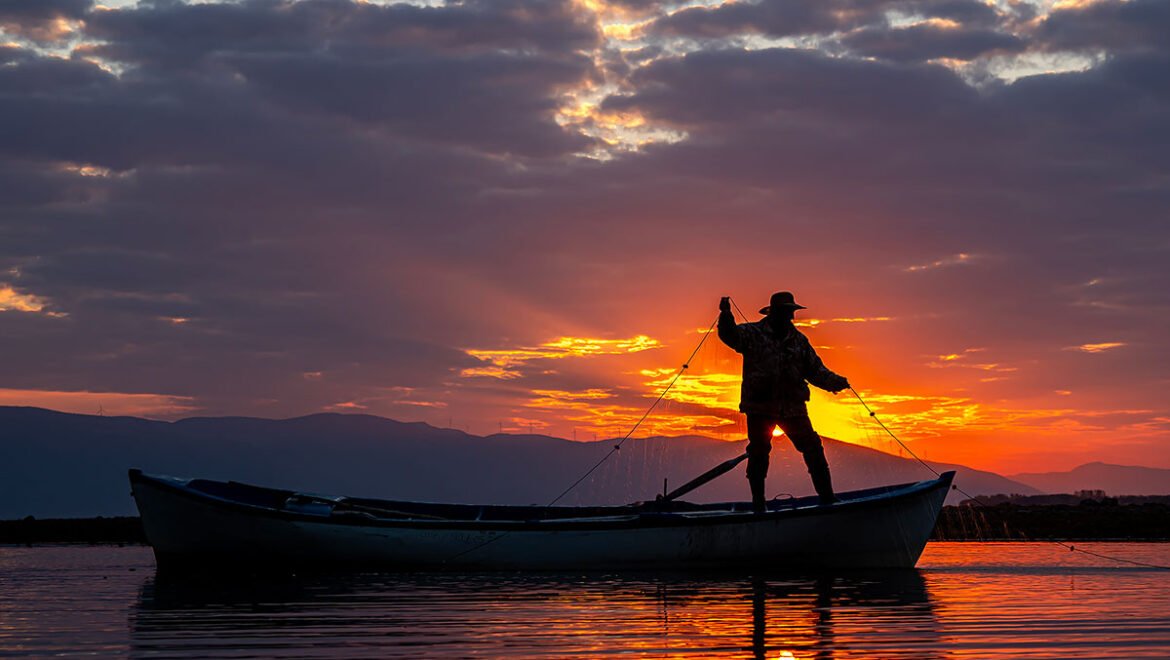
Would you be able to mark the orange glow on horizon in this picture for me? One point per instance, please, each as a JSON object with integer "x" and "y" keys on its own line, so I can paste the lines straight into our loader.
{"x": 93, "y": 403}
{"x": 940, "y": 400}
{"x": 948, "y": 405}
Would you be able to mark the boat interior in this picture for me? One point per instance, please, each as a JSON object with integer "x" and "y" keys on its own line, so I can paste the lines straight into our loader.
{"x": 287, "y": 500}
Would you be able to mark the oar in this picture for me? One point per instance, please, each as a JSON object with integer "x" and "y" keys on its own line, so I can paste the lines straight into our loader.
{"x": 722, "y": 468}
{"x": 345, "y": 504}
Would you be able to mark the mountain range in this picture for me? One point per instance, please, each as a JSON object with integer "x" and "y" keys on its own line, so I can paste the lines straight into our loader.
{"x": 1113, "y": 479}
{"x": 55, "y": 464}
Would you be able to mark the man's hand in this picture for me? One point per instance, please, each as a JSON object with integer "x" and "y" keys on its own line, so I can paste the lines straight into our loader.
{"x": 843, "y": 385}
{"x": 725, "y": 304}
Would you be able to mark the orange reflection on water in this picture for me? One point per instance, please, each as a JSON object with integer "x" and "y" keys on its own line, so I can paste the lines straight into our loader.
{"x": 691, "y": 616}
{"x": 966, "y": 600}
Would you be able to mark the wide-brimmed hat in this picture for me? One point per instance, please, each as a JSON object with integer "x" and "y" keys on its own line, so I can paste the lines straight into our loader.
{"x": 782, "y": 299}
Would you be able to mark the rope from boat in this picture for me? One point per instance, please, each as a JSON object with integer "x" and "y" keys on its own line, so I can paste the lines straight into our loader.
{"x": 1070, "y": 547}
{"x": 885, "y": 428}
{"x": 617, "y": 447}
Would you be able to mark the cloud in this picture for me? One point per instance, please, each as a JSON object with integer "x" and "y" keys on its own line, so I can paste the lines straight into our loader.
{"x": 193, "y": 35}
{"x": 1098, "y": 347}
{"x": 13, "y": 300}
{"x": 960, "y": 259}
{"x": 1115, "y": 26}
{"x": 42, "y": 20}
{"x": 812, "y": 323}
{"x": 771, "y": 18}
{"x": 215, "y": 200}
{"x": 927, "y": 41}
{"x": 504, "y": 363}
{"x": 815, "y": 17}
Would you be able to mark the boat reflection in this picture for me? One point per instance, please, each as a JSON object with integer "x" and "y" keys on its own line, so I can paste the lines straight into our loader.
{"x": 886, "y": 614}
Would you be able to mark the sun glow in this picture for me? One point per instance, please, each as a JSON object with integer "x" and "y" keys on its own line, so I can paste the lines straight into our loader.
{"x": 587, "y": 388}
{"x": 502, "y": 363}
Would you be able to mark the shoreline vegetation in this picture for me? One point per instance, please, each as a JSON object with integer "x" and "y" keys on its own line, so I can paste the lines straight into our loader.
{"x": 1107, "y": 519}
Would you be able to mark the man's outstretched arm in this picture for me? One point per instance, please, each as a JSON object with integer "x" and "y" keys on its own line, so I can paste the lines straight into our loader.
{"x": 728, "y": 332}
{"x": 818, "y": 374}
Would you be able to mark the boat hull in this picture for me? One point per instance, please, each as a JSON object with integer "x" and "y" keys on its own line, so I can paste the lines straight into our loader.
{"x": 190, "y": 530}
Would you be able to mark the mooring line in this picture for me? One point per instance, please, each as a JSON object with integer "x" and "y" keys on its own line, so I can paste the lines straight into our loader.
{"x": 976, "y": 500}
{"x": 616, "y": 448}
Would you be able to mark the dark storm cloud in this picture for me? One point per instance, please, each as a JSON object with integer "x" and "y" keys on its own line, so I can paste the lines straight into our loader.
{"x": 10, "y": 53}
{"x": 969, "y": 13}
{"x": 1113, "y": 26}
{"x": 39, "y": 10}
{"x": 38, "y": 19}
{"x": 36, "y": 75}
{"x": 495, "y": 101}
{"x": 809, "y": 107}
{"x": 239, "y": 204}
{"x": 786, "y": 18}
{"x": 800, "y": 88}
{"x": 318, "y": 57}
{"x": 772, "y": 18}
{"x": 183, "y": 36}
{"x": 924, "y": 42}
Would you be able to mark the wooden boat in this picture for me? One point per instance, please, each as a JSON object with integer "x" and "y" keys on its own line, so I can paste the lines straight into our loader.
{"x": 199, "y": 523}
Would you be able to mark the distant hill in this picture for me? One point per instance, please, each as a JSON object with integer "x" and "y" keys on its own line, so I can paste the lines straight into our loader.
{"x": 1113, "y": 479}
{"x": 55, "y": 464}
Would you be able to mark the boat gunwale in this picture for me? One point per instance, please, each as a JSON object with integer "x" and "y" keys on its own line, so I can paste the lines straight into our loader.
{"x": 634, "y": 520}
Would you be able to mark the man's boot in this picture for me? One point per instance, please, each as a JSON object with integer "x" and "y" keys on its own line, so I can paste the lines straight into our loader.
{"x": 759, "y": 500}
{"x": 823, "y": 483}
{"x": 818, "y": 469}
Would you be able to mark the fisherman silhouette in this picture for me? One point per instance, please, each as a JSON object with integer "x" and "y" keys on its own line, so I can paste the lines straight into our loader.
{"x": 778, "y": 364}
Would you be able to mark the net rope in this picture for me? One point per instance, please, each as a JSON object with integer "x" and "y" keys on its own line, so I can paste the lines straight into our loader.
{"x": 617, "y": 447}
{"x": 1069, "y": 546}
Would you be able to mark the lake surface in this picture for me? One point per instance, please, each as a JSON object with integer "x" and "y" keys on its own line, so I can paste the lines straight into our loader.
{"x": 966, "y": 600}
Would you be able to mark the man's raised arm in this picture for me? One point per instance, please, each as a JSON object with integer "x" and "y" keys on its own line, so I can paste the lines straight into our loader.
{"x": 728, "y": 332}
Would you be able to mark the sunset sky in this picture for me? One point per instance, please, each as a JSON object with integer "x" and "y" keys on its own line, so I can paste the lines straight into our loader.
{"x": 519, "y": 215}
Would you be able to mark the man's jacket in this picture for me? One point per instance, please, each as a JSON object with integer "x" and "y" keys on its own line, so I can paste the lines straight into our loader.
{"x": 778, "y": 364}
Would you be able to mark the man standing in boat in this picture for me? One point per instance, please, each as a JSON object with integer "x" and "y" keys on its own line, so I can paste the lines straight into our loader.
{"x": 778, "y": 364}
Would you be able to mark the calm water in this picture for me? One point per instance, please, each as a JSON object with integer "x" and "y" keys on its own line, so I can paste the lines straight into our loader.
{"x": 965, "y": 601}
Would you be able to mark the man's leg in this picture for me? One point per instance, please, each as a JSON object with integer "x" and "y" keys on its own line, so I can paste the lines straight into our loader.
{"x": 800, "y": 431}
{"x": 759, "y": 431}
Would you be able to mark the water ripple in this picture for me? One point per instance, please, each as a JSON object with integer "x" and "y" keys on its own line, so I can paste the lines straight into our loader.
{"x": 966, "y": 601}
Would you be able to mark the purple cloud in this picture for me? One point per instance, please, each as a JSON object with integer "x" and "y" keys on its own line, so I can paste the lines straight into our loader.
{"x": 216, "y": 200}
